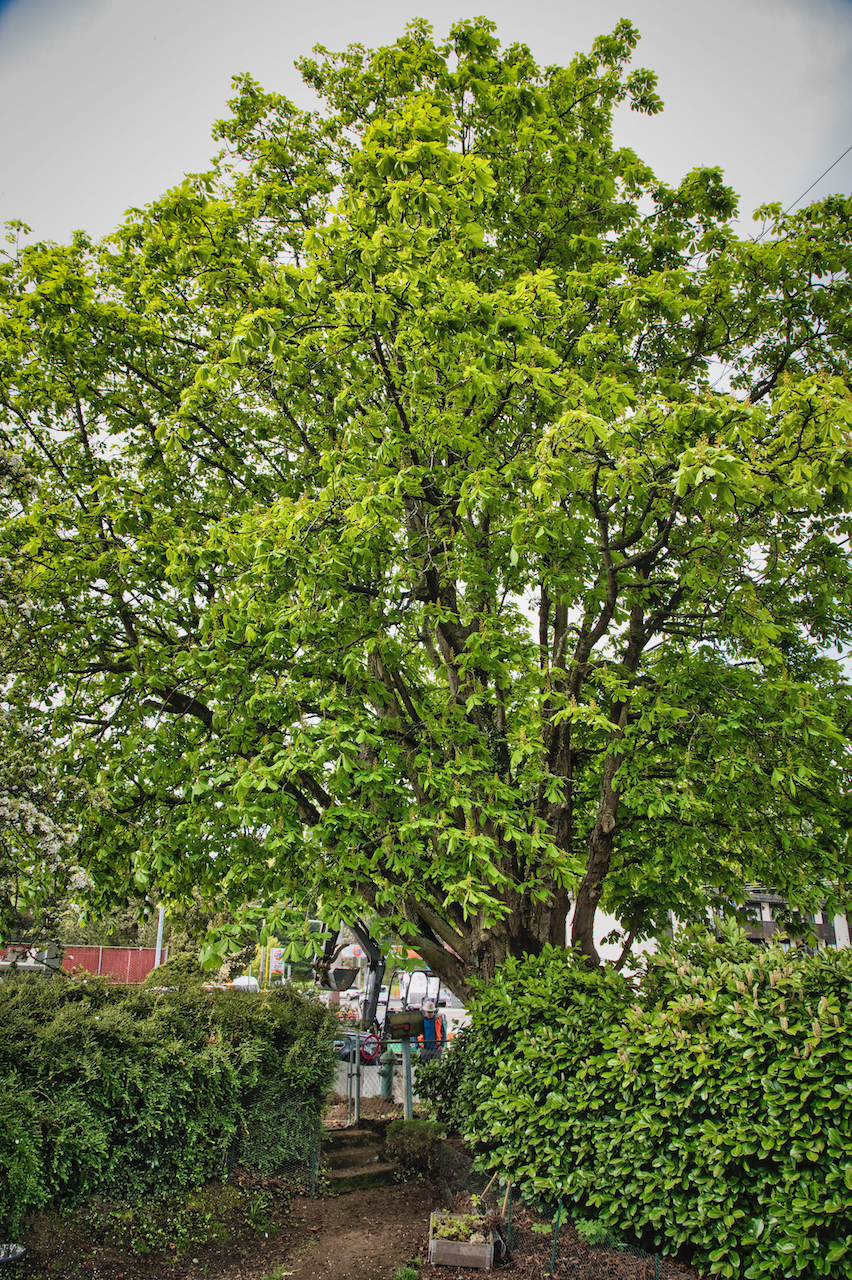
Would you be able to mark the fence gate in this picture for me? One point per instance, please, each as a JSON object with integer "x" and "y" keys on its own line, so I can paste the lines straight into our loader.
{"x": 376, "y": 1068}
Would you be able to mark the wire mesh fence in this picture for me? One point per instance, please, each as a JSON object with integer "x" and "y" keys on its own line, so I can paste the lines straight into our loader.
{"x": 370, "y": 1068}
{"x": 459, "y": 1180}
{"x": 545, "y": 1242}
{"x": 282, "y": 1139}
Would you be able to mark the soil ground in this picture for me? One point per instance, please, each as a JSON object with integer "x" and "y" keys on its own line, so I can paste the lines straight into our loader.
{"x": 573, "y": 1259}
{"x": 360, "y": 1235}
{"x": 364, "y": 1235}
{"x": 373, "y": 1109}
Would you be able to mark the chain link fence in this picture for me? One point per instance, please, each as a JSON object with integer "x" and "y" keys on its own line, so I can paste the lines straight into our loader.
{"x": 544, "y": 1241}
{"x": 372, "y": 1069}
{"x": 282, "y": 1139}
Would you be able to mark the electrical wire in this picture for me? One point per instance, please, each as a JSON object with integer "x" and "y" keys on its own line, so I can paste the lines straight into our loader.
{"x": 819, "y": 179}
{"x": 728, "y": 369}
{"x": 810, "y": 188}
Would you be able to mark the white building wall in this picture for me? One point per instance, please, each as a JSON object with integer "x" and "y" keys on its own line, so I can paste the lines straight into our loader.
{"x": 604, "y": 924}
{"x": 841, "y": 931}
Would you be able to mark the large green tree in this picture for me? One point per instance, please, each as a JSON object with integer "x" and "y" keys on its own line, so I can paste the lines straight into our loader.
{"x": 391, "y": 550}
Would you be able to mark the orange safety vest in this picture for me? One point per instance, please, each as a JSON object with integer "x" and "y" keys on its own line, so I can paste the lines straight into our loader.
{"x": 440, "y": 1030}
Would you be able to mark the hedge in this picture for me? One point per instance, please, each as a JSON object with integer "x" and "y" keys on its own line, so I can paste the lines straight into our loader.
{"x": 133, "y": 1093}
{"x": 705, "y": 1107}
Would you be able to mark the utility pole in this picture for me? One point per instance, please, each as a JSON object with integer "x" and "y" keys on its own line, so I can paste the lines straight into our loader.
{"x": 158, "y": 953}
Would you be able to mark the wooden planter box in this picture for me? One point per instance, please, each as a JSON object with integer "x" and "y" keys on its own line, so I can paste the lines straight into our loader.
{"x": 461, "y": 1253}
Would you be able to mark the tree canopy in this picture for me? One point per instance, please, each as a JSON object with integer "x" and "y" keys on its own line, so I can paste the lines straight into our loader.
{"x": 386, "y": 542}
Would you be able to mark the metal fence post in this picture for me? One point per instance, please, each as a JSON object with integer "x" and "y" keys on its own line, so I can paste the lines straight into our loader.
{"x": 357, "y": 1079}
{"x": 555, "y": 1238}
{"x": 509, "y": 1220}
{"x": 406, "y": 1068}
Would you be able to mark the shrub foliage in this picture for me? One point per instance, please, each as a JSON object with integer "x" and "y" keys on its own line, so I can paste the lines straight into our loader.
{"x": 708, "y": 1105}
{"x": 137, "y": 1093}
{"x": 416, "y": 1144}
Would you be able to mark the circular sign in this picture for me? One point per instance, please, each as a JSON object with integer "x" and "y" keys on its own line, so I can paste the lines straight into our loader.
{"x": 370, "y": 1048}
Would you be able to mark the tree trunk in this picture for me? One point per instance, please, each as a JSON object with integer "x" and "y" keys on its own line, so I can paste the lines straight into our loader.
{"x": 530, "y": 926}
{"x": 589, "y": 893}
{"x": 597, "y": 864}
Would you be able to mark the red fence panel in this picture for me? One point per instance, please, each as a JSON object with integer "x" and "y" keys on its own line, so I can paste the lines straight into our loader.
{"x": 88, "y": 958}
{"x": 118, "y": 964}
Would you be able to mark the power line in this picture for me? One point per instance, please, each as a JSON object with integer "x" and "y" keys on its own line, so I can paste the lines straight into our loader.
{"x": 730, "y": 368}
{"x": 810, "y": 188}
{"x": 819, "y": 179}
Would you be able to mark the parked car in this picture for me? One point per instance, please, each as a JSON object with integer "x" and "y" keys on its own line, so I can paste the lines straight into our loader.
{"x": 356, "y": 994}
{"x": 347, "y": 1046}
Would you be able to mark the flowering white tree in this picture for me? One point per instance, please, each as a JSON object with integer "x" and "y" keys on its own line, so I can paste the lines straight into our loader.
{"x": 38, "y": 827}
{"x": 38, "y": 834}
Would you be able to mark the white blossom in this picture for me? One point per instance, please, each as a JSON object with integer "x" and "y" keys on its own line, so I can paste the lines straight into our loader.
{"x": 39, "y": 830}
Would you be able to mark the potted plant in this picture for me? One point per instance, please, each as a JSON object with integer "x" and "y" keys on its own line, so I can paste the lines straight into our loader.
{"x": 464, "y": 1239}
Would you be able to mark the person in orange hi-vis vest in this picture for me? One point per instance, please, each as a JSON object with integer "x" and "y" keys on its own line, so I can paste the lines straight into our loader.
{"x": 434, "y": 1035}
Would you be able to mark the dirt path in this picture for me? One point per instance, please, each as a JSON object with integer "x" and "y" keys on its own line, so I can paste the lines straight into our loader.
{"x": 363, "y": 1235}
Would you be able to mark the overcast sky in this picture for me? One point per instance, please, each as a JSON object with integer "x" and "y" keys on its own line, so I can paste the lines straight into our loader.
{"x": 107, "y": 103}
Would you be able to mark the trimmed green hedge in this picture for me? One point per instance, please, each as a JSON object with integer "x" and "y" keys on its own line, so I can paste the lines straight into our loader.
{"x": 135, "y": 1092}
{"x": 708, "y": 1106}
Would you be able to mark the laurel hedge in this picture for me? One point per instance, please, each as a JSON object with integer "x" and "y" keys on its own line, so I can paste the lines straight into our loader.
{"x": 138, "y": 1093}
{"x": 705, "y": 1107}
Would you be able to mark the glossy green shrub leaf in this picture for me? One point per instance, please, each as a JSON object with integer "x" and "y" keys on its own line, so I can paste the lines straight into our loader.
{"x": 704, "y": 1105}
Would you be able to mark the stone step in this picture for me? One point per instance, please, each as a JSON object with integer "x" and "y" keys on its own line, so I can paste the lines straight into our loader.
{"x": 338, "y": 1138}
{"x": 343, "y": 1157}
{"x": 359, "y": 1178}
{"x": 356, "y": 1160}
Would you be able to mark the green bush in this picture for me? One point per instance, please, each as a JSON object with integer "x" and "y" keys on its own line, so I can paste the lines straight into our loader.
{"x": 710, "y": 1107}
{"x": 183, "y": 970}
{"x": 416, "y": 1144}
{"x": 448, "y": 1085}
{"x": 133, "y": 1093}
{"x": 21, "y": 1186}
{"x": 512, "y": 1020}
{"x": 595, "y": 1233}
